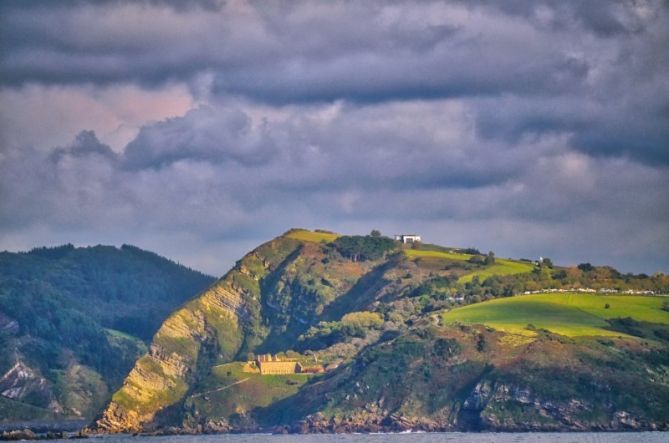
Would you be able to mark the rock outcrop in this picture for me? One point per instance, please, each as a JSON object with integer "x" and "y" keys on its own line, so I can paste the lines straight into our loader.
{"x": 21, "y": 381}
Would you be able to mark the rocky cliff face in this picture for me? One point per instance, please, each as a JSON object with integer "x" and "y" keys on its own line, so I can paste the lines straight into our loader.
{"x": 21, "y": 381}
{"x": 161, "y": 378}
{"x": 435, "y": 379}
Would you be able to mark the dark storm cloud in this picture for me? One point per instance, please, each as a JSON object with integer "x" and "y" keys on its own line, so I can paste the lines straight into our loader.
{"x": 601, "y": 17}
{"x": 600, "y": 56}
{"x": 179, "y": 5}
{"x": 193, "y": 185}
{"x": 305, "y": 152}
{"x": 202, "y": 134}
{"x": 86, "y": 143}
{"x": 522, "y": 126}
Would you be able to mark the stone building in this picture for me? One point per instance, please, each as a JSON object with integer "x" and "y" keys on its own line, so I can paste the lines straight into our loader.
{"x": 271, "y": 364}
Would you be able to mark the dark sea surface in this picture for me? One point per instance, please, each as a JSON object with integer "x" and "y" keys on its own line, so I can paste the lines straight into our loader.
{"x": 454, "y": 437}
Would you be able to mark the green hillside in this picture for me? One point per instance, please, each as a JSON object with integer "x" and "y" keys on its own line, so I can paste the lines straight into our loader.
{"x": 74, "y": 320}
{"x": 569, "y": 314}
{"x": 230, "y": 392}
{"x": 409, "y": 337}
{"x": 499, "y": 268}
{"x": 429, "y": 253}
{"x": 312, "y": 236}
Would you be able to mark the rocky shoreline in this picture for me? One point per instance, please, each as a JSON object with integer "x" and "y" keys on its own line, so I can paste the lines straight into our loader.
{"x": 319, "y": 424}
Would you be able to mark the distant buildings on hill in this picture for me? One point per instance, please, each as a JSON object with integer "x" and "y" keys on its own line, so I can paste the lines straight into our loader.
{"x": 269, "y": 364}
{"x": 408, "y": 238}
{"x": 592, "y": 291}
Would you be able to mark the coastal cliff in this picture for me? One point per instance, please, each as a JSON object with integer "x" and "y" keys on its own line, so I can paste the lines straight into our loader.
{"x": 409, "y": 337}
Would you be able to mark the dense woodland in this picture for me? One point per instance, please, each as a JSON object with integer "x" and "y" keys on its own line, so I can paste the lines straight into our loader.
{"x": 94, "y": 307}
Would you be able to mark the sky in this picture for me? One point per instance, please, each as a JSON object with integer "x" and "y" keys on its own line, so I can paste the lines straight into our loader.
{"x": 200, "y": 129}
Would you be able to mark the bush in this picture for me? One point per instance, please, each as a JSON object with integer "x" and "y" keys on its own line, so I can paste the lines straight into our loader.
{"x": 490, "y": 258}
{"x": 354, "y": 324}
{"x": 585, "y": 267}
{"x": 477, "y": 260}
{"x": 363, "y": 319}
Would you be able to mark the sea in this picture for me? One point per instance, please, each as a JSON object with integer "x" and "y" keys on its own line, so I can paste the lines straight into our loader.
{"x": 449, "y": 437}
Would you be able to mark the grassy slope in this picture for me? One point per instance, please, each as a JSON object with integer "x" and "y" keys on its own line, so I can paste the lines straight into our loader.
{"x": 501, "y": 267}
{"x": 567, "y": 314}
{"x": 229, "y": 390}
{"x": 419, "y": 253}
{"x": 312, "y": 236}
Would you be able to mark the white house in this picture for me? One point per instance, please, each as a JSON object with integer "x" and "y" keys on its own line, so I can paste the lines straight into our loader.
{"x": 408, "y": 238}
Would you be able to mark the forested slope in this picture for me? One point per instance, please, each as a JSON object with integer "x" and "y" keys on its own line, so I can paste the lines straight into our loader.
{"x": 73, "y": 321}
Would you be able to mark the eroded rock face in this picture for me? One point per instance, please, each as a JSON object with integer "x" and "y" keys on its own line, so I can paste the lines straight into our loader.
{"x": 116, "y": 418}
{"x": 479, "y": 397}
{"x": 161, "y": 378}
{"x": 21, "y": 381}
{"x": 9, "y": 325}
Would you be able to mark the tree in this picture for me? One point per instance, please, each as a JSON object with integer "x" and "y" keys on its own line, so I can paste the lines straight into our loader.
{"x": 585, "y": 267}
{"x": 375, "y": 233}
{"x": 546, "y": 263}
{"x": 490, "y": 258}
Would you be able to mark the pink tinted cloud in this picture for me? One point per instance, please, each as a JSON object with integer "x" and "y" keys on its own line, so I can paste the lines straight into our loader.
{"x": 48, "y": 116}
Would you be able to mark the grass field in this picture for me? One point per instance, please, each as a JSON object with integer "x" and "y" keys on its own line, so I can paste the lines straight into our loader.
{"x": 500, "y": 267}
{"x": 230, "y": 390}
{"x": 419, "y": 253}
{"x": 567, "y": 314}
{"x": 312, "y": 236}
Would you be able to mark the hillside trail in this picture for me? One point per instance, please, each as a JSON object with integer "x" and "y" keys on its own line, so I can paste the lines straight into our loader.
{"x": 221, "y": 388}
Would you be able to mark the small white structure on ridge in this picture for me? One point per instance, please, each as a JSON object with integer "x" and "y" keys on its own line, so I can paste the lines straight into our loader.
{"x": 408, "y": 238}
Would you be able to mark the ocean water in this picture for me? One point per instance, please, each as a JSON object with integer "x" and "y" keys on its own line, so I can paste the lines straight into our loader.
{"x": 451, "y": 437}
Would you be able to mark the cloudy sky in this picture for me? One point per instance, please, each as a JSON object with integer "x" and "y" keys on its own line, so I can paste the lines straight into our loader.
{"x": 201, "y": 129}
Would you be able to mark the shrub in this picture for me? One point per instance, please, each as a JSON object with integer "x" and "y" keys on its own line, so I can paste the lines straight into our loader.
{"x": 477, "y": 260}
{"x": 364, "y": 319}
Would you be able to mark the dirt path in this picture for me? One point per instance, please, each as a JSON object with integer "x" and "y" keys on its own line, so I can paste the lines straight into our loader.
{"x": 220, "y": 389}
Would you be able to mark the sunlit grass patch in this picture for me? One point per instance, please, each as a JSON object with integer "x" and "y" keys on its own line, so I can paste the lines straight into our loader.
{"x": 501, "y": 267}
{"x": 419, "y": 253}
{"x": 521, "y": 339}
{"x": 566, "y": 314}
{"x": 232, "y": 390}
{"x": 312, "y": 236}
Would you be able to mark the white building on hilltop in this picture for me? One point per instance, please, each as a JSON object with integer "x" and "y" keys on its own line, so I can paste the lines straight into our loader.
{"x": 408, "y": 238}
